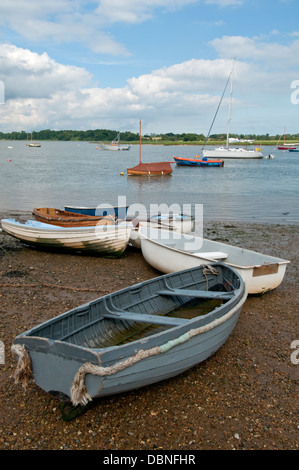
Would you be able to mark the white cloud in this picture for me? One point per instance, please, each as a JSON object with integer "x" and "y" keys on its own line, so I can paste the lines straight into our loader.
{"x": 41, "y": 93}
{"x": 224, "y": 3}
{"x": 27, "y": 74}
{"x": 78, "y": 21}
{"x": 70, "y": 21}
{"x": 273, "y": 54}
{"x": 135, "y": 11}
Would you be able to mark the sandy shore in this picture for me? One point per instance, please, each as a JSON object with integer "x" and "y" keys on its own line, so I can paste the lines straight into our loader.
{"x": 245, "y": 397}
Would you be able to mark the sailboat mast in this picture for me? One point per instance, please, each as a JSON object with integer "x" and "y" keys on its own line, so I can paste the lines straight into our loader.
{"x": 140, "y": 141}
{"x": 284, "y": 136}
{"x": 230, "y": 104}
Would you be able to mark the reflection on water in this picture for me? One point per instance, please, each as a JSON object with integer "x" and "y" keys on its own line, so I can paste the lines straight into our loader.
{"x": 62, "y": 173}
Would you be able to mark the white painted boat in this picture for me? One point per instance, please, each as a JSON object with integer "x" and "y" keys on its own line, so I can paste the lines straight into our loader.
{"x": 115, "y": 145}
{"x": 169, "y": 251}
{"x": 183, "y": 223}
{"x": 231, "y": 152}
{"x": 227, "y": 151}
{"x": 103, "y": 240}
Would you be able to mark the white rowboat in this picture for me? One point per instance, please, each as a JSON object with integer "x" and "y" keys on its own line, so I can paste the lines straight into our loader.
{"x": 172, "y": 251}
{"x": 103, "y": 240}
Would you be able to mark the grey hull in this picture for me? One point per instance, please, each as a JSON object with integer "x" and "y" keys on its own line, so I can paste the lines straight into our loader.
{"x": 97, "y": 338}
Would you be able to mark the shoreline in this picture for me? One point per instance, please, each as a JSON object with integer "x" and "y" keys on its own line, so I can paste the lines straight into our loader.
{"x": 243, "y": 397}
{"x": 200, "y": 143}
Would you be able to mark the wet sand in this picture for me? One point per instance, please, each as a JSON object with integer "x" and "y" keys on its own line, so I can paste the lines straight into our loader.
{"x": 245, "y": 397}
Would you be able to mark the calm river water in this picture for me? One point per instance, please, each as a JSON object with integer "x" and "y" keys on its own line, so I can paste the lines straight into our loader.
{"x": 71, "y": 173}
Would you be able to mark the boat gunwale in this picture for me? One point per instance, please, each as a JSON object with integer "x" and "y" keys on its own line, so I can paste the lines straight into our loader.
{"x": 49, "y": 227}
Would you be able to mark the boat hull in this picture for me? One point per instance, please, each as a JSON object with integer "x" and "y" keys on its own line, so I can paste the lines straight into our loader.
{"x": 108, "y": 241}
{"x": 232, "y": 153}
{"x": 286, "y": 148}
{"x": 198, "y": 162}
{"x": 76, "y": 343}
{"x": 133, "y": 172}
{"x": 115, "y": 147}
{"x": 119, "y": 212}
{"x": 50, "y": 215}
{"x": 150, "y": 169}
{"x": 169, "y": 252}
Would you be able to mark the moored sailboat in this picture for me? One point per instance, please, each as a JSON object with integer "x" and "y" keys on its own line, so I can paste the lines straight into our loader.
{"x": 149, "y": 169}
{"x": 33, "y": 144}
{"x": 285, "y": 146}
{"x": 227, "y": 151}
{"x": 115, "y": 145}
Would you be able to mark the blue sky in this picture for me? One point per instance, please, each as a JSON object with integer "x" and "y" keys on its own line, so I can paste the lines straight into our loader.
{"x": 74, "y": 64}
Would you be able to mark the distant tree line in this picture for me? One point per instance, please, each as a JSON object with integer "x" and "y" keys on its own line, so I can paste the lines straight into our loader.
{"x": 105, "y": 135}
{"x": 89, "y": 135}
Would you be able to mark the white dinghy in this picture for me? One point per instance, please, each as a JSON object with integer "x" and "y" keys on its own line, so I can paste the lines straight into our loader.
{"x": 169, "y": 251}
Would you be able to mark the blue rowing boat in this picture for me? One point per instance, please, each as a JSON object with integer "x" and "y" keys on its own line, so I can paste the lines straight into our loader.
{"x": 197, "y": 161}
{"x": 120, "y": 212}
{"x": 133, "y": 337}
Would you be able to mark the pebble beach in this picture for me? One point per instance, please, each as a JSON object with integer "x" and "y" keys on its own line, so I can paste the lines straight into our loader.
{"x": 245, "y": 397}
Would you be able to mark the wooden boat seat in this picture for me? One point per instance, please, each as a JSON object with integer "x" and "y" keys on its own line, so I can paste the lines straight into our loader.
{"x": 198, "y": 293}
{"x": 211, "y": 254}
{"x": 144, "y": 317}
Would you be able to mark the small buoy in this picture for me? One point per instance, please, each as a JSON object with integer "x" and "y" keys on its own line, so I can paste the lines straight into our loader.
{"x": 122, "y": 173}
{"x": 9, "y": 159}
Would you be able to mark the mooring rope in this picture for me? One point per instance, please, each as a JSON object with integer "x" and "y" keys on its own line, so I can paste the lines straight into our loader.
{"x": 23, "y": 372}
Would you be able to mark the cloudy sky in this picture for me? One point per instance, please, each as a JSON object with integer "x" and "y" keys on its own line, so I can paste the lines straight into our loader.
{"x": 75, "y": 64}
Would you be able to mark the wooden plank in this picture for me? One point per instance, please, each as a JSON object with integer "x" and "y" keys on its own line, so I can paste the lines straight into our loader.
{"x": 146, "y": 318}
{"x": 265, "y": 269}
{"x": 197, "y": 293}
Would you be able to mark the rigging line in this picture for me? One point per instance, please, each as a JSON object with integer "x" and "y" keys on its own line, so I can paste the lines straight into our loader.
{"x": 208, "y": 135}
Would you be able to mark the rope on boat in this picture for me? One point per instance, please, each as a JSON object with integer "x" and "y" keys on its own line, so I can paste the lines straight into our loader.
{"x": 208, "y": 270}
{"x": 23, "y": 373}
{"x": 79, "y": 395}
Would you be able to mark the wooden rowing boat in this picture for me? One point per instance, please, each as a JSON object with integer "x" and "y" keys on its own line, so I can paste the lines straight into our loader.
{"x": 172, "y": 251}
{"x": 50, "y": 215}
{"x": 133, "y": 337}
